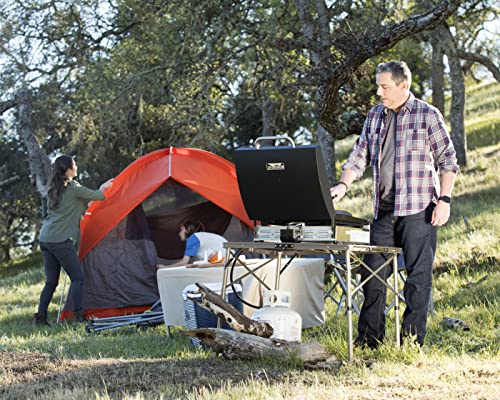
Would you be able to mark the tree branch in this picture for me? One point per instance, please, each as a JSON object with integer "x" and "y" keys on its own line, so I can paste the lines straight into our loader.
{"x": 7, "y": 105}
{"x": 483, "y": 60}
{"x": 9, "y": 180}
{"x": 370, "y": 44}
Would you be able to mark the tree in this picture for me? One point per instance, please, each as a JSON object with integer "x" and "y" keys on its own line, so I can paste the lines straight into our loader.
{"x": 339, "y": 40}
{"x": 46, "y": 45}
{"x": 463, "y": 45}
{"x": 110, "y": 80}
{"x": 18, "y": 206}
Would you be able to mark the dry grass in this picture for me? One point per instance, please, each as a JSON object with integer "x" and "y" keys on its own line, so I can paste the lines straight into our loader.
{"x": 33, "y": 375}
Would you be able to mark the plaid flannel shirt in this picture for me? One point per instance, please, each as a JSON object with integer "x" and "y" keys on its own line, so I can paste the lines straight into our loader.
{"x": 423, "y": 152}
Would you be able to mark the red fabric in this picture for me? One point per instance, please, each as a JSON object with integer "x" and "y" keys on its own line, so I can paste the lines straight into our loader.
{"x": 105, "y": 312}
{"x": 206, "y": 173}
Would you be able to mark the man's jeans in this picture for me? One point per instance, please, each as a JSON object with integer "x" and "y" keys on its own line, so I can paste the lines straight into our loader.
{"x": 56, "y": 255}
{"x": 417, "y": 237}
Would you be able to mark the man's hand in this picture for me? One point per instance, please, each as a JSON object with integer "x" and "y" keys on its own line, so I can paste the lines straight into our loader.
{"x": 441, "y": 214}
{"x": 338, "y": 191}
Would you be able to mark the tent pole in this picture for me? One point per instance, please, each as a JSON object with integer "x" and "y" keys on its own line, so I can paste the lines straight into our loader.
{"x": 62, "y": 296}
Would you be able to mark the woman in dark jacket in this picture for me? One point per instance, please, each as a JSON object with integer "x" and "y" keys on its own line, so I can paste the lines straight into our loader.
{"x": 60, "y": 234}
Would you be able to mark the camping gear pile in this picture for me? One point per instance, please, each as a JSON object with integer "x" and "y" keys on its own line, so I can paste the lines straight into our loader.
{"x": 151, "y": 317}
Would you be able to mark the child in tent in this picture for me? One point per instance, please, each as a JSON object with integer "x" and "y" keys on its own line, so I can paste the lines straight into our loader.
{"x": 200, "y": 246}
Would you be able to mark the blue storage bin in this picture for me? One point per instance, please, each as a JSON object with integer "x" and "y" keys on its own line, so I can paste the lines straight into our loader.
{"x": 197, "y": 317}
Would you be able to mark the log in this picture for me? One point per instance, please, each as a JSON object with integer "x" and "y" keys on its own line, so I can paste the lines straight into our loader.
{"x": 242, "y": 346}
{"x": 214, "y": 303}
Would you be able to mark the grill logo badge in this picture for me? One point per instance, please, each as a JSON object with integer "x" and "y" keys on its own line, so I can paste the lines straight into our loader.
{"x": 275, "y": 166}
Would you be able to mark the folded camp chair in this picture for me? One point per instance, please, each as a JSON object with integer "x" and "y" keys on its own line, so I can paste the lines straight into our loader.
{"x": 335, "y": 269}
{"x": 335, "y": 276}
{"x": 402, "y": 275}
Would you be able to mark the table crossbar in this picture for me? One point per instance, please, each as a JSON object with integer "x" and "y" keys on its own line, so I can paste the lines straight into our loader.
{"x": 349, "y": 250}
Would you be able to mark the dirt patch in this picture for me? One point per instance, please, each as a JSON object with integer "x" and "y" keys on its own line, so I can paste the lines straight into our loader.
{"x": 29, "y": 374}
{"x": 22, "y": 365}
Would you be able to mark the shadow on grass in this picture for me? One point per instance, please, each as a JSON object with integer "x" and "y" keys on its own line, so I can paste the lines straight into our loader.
{"x": 485, "y": 134}
{"x": 484, "y": 293}
{"x": 478, "y": 262}
{"x": 13, "y": 268}
{"x": 475, "y": 203}
{"x": 32, "y": 374}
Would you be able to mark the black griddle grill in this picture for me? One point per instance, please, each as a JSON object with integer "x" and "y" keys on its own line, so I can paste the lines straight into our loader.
{"x": 283, "y": 185}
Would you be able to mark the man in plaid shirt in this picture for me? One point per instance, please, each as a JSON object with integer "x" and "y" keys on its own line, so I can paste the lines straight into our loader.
{"x": 414, "y": 166}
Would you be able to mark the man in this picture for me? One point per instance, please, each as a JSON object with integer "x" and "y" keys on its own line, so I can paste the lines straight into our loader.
{"x": 414, "y": 166}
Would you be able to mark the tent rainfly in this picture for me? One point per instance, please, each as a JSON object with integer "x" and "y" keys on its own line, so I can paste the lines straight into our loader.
{"x": 126, "y": 236}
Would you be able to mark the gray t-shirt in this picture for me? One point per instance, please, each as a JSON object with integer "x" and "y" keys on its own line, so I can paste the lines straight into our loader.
{"x": 387, "y": 158}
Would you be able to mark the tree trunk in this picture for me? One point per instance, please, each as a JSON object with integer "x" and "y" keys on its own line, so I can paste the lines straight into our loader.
{"x": 327, "y": 143}
{"x": 242, "y": 346}
{"x": 268, "y": 118}
{"x": 437, "y": 74}
{"x": 457, "y": 109}
{"x": 267, "y": 109}
{"x": 6, "y": 253}
{"x": 38, "y": 161}
{"x": 322, "y": 63}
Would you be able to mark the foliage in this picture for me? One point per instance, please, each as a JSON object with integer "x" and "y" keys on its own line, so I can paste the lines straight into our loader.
{"x": 114, "y": 79}
{"x": 18, "y": 202}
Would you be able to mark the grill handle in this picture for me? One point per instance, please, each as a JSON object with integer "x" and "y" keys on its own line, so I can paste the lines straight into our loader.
{"x": 283, "y": 137}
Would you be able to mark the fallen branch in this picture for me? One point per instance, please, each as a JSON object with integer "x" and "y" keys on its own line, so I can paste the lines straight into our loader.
{"x": 237, "y": 345}
{"x": 214, "y": 303}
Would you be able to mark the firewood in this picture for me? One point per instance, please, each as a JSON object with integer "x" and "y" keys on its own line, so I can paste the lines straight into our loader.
{"x": 214, "y": 303}
{"x": 237, "y": 345}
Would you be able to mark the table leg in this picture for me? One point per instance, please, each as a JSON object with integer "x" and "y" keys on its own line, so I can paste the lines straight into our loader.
{"x": 349, "y": 305}
{"x": 278, "y": 269}
{"x": 224, "y": 281}
{"x": 396, "y": 296}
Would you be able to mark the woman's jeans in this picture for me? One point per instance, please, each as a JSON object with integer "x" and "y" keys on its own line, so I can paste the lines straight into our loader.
{"x": 56, "y": 255}
{"x": 417, "y": 237}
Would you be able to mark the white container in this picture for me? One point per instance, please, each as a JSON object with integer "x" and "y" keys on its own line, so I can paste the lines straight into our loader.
{"x": 286, "y": 323}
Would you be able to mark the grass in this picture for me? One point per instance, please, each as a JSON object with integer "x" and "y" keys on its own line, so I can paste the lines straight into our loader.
{"x": 64, "y": 361}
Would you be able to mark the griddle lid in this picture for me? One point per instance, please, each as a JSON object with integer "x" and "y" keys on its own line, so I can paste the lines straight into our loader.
{"x": 281, "y": 185}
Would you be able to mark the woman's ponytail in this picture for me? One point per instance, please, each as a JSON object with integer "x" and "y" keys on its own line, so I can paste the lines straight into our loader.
{"x": 58, "y": 180}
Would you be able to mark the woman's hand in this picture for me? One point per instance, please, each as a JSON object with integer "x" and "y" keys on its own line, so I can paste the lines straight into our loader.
{"x": 106, "y": 184}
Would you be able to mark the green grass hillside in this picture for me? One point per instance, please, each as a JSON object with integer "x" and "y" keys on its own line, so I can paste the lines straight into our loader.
{"x": 65, "y": 362}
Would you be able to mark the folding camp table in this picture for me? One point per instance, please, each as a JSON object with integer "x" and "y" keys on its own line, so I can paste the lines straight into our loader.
{"x": 353, "y": 254}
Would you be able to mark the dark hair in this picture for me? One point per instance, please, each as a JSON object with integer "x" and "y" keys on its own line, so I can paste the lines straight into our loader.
{"x": 58, "y": 180}
{"x": 193, "y": 227}
{"x": 398, "y": 69}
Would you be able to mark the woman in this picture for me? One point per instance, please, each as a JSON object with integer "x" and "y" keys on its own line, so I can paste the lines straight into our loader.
{"x": 60, "y": 233}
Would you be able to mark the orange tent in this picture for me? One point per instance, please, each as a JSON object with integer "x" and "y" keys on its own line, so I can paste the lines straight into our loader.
{"x": 202, "y": 171}
{"x": 210, "y": 177}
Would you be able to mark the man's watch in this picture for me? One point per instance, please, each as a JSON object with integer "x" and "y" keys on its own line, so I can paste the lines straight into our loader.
{"x": 446, "y": 199}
